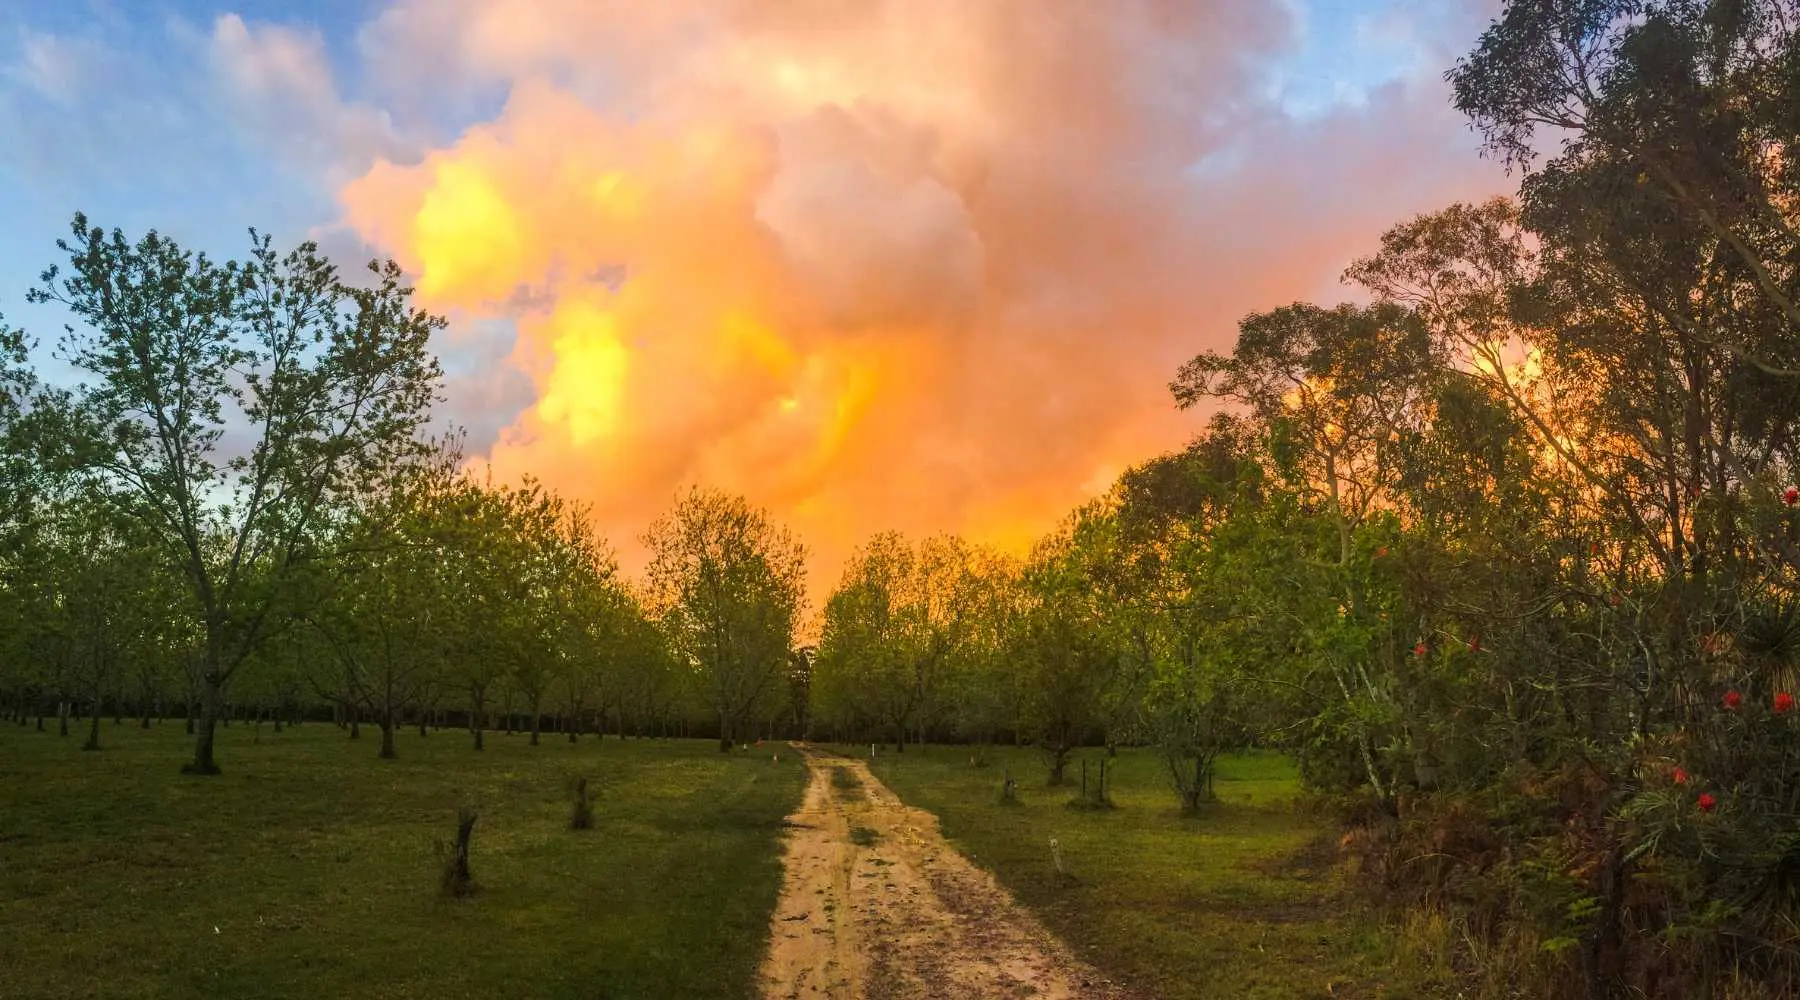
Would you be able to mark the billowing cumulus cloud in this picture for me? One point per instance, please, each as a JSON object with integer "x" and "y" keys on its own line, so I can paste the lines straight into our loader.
{"x": 914, "y": 264}
{"x": 277, "y": 83}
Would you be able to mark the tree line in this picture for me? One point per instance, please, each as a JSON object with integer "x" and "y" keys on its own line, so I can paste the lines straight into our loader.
{"x": 233, "y": 509}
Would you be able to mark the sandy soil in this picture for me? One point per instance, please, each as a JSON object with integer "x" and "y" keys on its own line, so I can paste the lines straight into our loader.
{"x": 904, "y": 918}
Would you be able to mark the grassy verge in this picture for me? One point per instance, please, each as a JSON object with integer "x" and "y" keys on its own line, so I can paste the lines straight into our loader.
{"x": 1224, "y": 905}
{"x": 307, "y": 871}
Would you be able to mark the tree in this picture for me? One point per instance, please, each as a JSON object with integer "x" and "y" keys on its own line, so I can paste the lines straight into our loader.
{"x": 893, "y": 630}
{"x": 729, "y": 586}
{"x": 1338, "y": 392}
{"x": 384, "y": 613}
{"x": 326, "y": 383}
{"x": 986, "y": 691}
{"x": 1184, "y": 533}
{"x": 105, "y": 599}
{"x": 1061, "y": 647}
{"x": 20, "y": 475}
{"x": 585, "y": 611}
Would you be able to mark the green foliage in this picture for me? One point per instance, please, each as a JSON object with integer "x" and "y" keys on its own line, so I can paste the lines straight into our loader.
{"x": 1522, "y": 524}
{"x": 328, "y": 382}
{"x": 728, "y": 586}
{"x": 898, "y": 628}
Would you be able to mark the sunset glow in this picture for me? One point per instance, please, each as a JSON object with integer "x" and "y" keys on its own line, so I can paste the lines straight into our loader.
{"x": 781, "y": 259}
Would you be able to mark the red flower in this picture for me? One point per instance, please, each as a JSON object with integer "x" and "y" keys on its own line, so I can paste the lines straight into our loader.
{"x": 1593, "y": 548}
{"x": 1419, "y": 650}
{"x": 1733, "y": 700}
{"x": 1680, "y": 776}
{"x": 1381, "y": 553}
{"x": 1784, "y": 703}
{"x": 1474, "y": 644}
{"x": 1613, "y": 600}
{"x": 1791, "y": 495}
{"x": 1706, "y": 802}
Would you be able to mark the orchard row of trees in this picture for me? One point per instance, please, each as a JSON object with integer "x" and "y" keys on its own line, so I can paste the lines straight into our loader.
{"x": 233, "y": 509}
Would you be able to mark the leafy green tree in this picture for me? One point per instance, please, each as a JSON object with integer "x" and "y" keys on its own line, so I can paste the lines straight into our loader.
{"x": 1338, "y": 392}
{"x": 1063, "y": 652}
{"x": 1186, "y": 532}
{"x": 322, "y": 382}
{"x": 383, "y": 615}
{"x": 729, "y": 586}
{"x": 987, "y": 693}
{"x": 21, "y": 474}
{"x": 894, "y": 630}
{"x": 585, "y": 610}
{"x": 105, "y": 600}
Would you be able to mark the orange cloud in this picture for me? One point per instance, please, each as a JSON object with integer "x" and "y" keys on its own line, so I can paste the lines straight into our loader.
{"x": 921, "y": 265}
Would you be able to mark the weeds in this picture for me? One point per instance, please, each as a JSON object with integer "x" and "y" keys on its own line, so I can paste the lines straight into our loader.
{"x": 1009, "y": 790}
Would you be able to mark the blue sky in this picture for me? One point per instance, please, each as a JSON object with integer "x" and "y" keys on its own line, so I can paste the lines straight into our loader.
{"x": 143, "y": 141}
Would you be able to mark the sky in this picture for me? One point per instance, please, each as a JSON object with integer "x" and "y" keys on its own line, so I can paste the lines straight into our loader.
{"x": 916, "y": 265}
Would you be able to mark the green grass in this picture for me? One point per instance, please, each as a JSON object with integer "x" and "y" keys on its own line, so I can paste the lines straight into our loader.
{"x": 307, "y": 871}
{"x": 1223, "y": 905}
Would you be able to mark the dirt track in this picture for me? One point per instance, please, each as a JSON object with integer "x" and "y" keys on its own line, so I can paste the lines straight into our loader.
{"x": 906, "y": 917}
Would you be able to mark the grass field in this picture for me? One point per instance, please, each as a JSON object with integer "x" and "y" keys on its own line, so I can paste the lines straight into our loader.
{"x": 1224, "y": 905}
{"x": 307, "y": 869}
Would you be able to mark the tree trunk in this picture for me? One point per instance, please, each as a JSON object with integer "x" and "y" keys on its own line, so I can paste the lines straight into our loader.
{"x": 203, "y": 762}
{"x": 387, "y": 736}
{"x": 1600, "y": 951}
{"x": 422, "y": 730}
{"x": 460, "y": 881}
{"x": 62, "y": 718}
{"x": 724, "y": 734}
{"x": 536, "y": 721}
{"x": 93, "y": 739}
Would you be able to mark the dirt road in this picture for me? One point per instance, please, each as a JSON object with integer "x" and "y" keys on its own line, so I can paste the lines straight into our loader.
{"x": 876, "y": 905}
